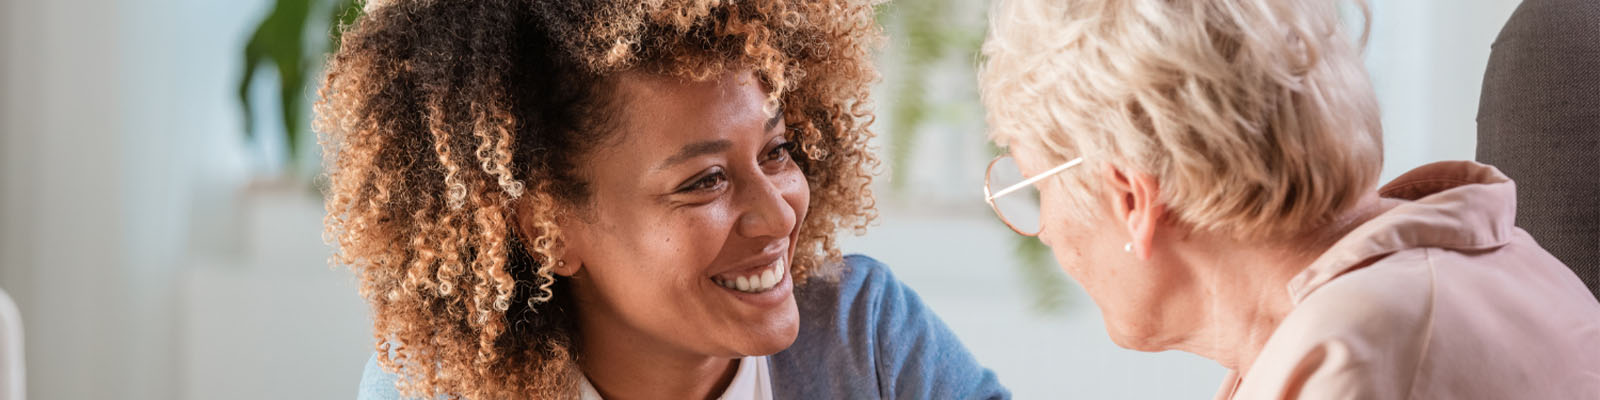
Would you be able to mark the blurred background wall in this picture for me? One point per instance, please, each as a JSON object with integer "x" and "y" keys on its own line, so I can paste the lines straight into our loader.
{"x": 154, "y": 255}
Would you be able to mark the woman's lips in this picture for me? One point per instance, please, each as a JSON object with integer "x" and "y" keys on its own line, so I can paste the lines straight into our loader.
{"x": 754, "y": 280}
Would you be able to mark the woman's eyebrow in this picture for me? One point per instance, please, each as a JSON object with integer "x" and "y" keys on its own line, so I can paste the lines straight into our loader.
{"x": 696, "y": 149}
{"x": 777, "y": 116}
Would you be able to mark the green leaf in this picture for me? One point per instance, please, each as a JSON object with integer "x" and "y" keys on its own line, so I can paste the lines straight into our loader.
{"x": 278, "y": 43}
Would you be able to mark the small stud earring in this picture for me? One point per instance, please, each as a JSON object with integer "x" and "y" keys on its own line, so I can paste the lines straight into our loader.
{"x": 1127, "y": 248}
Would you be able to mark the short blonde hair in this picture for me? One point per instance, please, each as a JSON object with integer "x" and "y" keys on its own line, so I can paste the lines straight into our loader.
{"x": 1255, "y": 115}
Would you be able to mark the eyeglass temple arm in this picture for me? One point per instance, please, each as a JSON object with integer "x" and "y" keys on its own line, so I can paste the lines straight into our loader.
{"x": 1036, "y": 178}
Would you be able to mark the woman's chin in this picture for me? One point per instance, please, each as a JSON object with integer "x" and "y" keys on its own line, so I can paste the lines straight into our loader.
{"x": 1132, "y": 343}
{"x": 770, "y": 347}
{"x": 773, "y": 335}
{"x": 1131, "y": 338}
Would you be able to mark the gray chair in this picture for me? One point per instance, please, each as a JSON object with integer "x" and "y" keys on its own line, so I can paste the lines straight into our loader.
{"x": 1539, "y": 122}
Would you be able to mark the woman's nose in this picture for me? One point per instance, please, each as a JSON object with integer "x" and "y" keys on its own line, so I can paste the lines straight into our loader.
{"x": 766, "y": 210}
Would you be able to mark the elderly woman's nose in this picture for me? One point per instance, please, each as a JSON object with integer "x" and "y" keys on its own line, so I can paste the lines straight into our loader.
{"x": 766, "y": 211}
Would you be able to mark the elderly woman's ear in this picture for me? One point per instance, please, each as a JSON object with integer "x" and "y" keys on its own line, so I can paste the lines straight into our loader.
{"x": 1135, "y": 199}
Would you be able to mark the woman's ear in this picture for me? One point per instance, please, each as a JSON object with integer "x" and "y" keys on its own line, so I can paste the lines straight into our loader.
{"x": 570, "y": 261}
{"x": 1136, "y": 203}
{"x": 569, "y": 258}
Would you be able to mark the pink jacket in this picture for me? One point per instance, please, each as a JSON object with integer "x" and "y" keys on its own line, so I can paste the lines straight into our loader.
{"x": 1440, "y": 298}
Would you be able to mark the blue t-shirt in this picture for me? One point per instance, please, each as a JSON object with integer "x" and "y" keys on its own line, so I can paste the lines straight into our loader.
{"x": 864, "y": 335}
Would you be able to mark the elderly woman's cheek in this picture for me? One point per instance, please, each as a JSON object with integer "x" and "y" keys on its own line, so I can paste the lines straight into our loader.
{"x": 1066, "y": 237}
{"x": 1050, "y": 229}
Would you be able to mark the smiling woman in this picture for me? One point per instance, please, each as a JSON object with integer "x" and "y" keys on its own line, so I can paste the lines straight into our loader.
{"x": 698, "y": 194}
{"x": 556, "y": 199}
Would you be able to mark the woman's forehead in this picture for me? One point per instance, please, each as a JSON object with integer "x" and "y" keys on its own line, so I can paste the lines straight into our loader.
{"x": 661, "y": 123}
{"x": 730, "y": 92}
{"x": 661, "y": 110}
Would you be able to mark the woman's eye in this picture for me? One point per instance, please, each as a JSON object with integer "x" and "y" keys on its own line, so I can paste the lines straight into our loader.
{"x": 781, "y": 152}
{"x": 708, "y": 182}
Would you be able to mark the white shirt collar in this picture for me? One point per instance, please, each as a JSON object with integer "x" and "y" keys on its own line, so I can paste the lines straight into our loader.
{"x": 752, "y": 382}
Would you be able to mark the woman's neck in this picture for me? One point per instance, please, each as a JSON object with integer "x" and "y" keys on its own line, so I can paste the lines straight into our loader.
{"x": 625, "y": 364}
{"x": 1242, "y": 287}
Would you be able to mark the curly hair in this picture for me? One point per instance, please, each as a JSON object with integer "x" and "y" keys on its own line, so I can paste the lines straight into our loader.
{"x": 442, "y": 119}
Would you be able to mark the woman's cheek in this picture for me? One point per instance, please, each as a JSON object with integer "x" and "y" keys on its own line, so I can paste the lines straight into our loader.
{"x": 800, "y": 192}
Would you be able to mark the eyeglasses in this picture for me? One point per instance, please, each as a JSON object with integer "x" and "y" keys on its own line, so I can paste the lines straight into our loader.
{"x": 1021, "y": 210}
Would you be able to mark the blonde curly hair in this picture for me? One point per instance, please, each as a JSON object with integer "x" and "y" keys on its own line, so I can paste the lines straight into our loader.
{"x": 442, "y": 119}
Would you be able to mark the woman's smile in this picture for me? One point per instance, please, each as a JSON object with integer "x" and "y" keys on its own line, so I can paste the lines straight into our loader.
{"x": 755, "y": 279}
{"x": 762, "y": 286}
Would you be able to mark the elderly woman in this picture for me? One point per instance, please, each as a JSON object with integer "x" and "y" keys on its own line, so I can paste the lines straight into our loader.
{"x": 1207, "y": 171}
{"x": 620, "y": 199}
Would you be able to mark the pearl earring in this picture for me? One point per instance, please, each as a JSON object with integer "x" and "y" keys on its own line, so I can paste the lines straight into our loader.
{"x": 1127, "y": 248}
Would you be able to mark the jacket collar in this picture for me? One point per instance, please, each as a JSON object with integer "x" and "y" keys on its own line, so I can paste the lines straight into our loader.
{"x": 1459, "y": 205}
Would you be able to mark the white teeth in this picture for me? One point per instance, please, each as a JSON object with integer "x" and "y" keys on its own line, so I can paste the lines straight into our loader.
{"x": 760, "y": 282}
{"x": 768, "y": 279}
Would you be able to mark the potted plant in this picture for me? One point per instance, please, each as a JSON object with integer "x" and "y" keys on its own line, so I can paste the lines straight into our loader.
{"x": 281, "y": 206}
